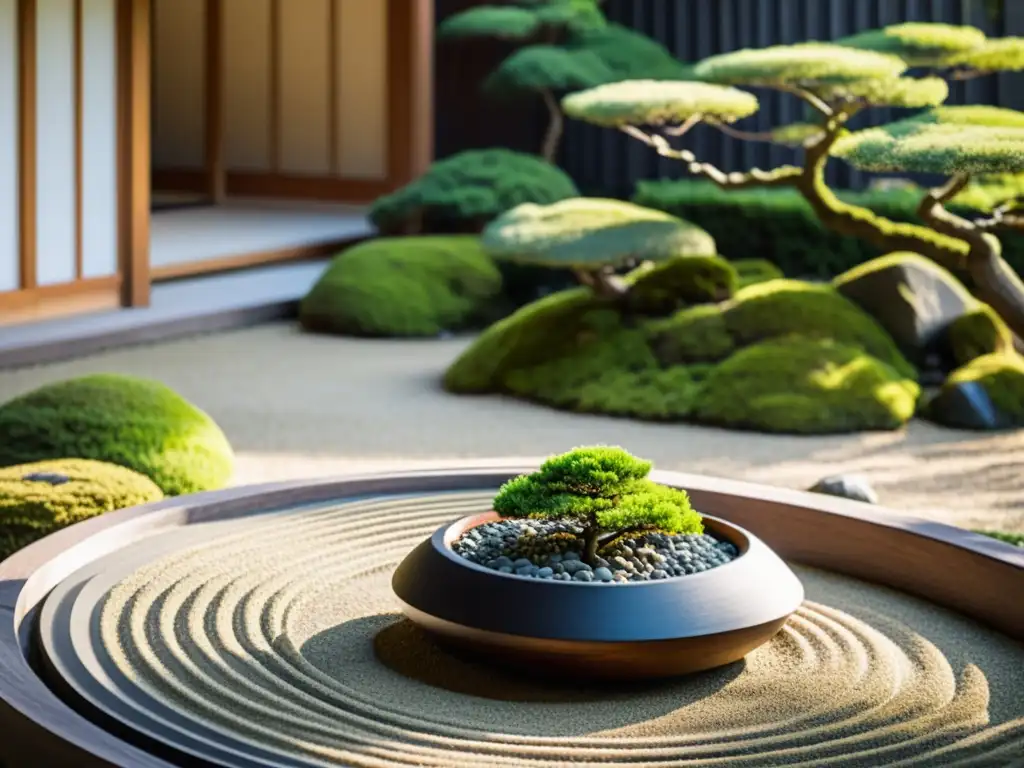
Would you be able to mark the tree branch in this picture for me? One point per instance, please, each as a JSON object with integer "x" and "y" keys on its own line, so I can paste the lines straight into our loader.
{"x": 691, "y": 121}
{"x": 736, "y": 133}
{"x": 786, "y": 175}
{"x": 819, "y": 104}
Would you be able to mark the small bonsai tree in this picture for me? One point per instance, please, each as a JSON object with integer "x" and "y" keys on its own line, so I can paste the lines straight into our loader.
{"x": 593, "y": 237}
{"x": 548, "y": 71}
{"x": 569, "y": 46}
{"x": 465, "y": 191}
{"x": 605, "y": 491}
{"x": 837, "y": 81}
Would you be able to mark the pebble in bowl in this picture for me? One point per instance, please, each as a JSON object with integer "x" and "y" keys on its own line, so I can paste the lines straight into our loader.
{"x": 587, "y": 568}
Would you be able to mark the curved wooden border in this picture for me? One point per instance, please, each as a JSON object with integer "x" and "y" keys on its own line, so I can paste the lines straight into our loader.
{"x": 973, "y": 574}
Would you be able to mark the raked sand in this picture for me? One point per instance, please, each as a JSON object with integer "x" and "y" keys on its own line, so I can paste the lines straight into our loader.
{"x": 283, "y": 632}
{"x": 298, "y": 405}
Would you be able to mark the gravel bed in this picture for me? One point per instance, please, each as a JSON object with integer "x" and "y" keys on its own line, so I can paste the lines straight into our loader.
{"x": 539, "y": 549}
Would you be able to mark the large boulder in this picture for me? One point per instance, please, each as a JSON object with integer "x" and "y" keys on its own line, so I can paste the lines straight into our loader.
{"x": 985, "y": 394}
{"x": 135, "y": 423}
{"x": 40, "y": 498}
{"x": 913, "y": 298}
{"x": 405, "y": 286}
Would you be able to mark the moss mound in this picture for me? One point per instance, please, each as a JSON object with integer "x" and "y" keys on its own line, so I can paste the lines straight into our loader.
{"x": 978, "y": 332}
{"x": 404, "y": 286}
{"x": 805, "y": 385}
{"x": 751, "y": 271}
{"x": 135, "y": 423}
{"x": 577, "y": 351}
{"x": 40, "y": 498}
{"x": 663, "y": 288}
{"x": 782, "y": 307}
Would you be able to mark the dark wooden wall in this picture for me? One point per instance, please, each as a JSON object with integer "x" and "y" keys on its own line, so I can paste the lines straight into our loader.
{"x": 607, "y": 163}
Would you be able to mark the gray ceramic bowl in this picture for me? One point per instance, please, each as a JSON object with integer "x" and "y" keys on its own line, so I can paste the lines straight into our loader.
{"x": 631, "y": 630}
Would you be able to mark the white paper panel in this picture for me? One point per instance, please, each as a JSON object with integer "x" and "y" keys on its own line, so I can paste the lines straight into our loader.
{"x": 363, "y": 79}
{"x": 99, "y": 138}
{"x": 179, "y": 80}
{"x": 55, "y": 143}
{"x": 304, "y": 116}
{"x": 246, "y": 55}
{"x": 10, "y": 271}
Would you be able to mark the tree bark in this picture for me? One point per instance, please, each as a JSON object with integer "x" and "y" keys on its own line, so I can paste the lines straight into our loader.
{"x": 556, "y": 127}
{"x": 995, "y": 282}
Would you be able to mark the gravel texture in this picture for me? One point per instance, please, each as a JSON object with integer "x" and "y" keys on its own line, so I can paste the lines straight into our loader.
{"x": 298, "y": 405}
{"x": 285, "y": 632}
{"x": 549, "y": 550}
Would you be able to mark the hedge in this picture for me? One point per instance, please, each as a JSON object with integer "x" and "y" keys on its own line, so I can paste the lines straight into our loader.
{"x": 778, "y": 224}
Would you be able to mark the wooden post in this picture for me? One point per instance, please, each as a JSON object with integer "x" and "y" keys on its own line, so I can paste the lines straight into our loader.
{"x": 133, "y": 141}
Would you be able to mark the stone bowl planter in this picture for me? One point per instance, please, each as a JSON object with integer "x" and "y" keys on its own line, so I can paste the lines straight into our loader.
{"x": 629, "y": 631}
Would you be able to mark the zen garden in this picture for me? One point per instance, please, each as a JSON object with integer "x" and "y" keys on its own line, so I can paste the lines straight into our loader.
{"x": 825, "y": 566}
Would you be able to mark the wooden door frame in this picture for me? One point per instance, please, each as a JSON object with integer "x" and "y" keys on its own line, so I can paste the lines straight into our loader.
{"x": 129, "y": 286}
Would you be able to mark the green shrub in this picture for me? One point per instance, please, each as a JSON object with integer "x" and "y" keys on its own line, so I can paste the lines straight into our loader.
{"x": 463, "y": 192}
{"x": 64, "y": 492}
{"x": 978, "y": 332}
{"x": 135, "y": 423}
{"x": 405, "y": 286}
{"x": 751, "y": 271}
{"x": 778, "y": 225}
{"x": 659, "y": 289}
{"x": 801, "y": 385}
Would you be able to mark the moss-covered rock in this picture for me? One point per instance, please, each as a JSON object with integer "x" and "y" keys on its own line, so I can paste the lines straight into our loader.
{"x": 987, "y": 393}
{"x": 803, "y": 385}
{"x": 40, "y": 498}
{"x": 135, "y": 423}
{"x": 912, "y": 297}
{"x": 751, "y": 271}
{"x": 662, "y": 288}
{"x": 405, "y": 286}
{"x": 977, "y": 332}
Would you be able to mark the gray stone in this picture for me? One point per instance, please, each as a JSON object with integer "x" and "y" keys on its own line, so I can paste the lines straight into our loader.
{"x": 657, "y": 573}
{"x": 603, "y": 574}
{"x": 583, "y": 576}
{"x": 526, "y": 570}
{"x": 51, "y": 478}
{"x": 967, "y": 405}
{"x": 914, "y": 299}
{"x": 522, "y": 562}
{"x": 853, "y": 487}
{"x": 545, "y": 573}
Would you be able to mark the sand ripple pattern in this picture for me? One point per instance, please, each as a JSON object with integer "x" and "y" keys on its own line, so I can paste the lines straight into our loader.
{"x": 262, "y": 638}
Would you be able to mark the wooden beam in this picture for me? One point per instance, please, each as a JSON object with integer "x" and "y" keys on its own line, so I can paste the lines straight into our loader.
{"x": 133, "y": 141}
{"x": 79, "y": 63}
{"x": 27, "y": 140}
{"x": 410, "y": 63}
{"x": 214, "y": 160}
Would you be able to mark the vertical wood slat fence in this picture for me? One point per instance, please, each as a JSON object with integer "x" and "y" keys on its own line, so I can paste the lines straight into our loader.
{"x": 607, "y": 163}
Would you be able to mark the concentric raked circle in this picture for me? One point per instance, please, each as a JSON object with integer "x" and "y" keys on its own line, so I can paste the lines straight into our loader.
{"x": 276, "y": 640}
